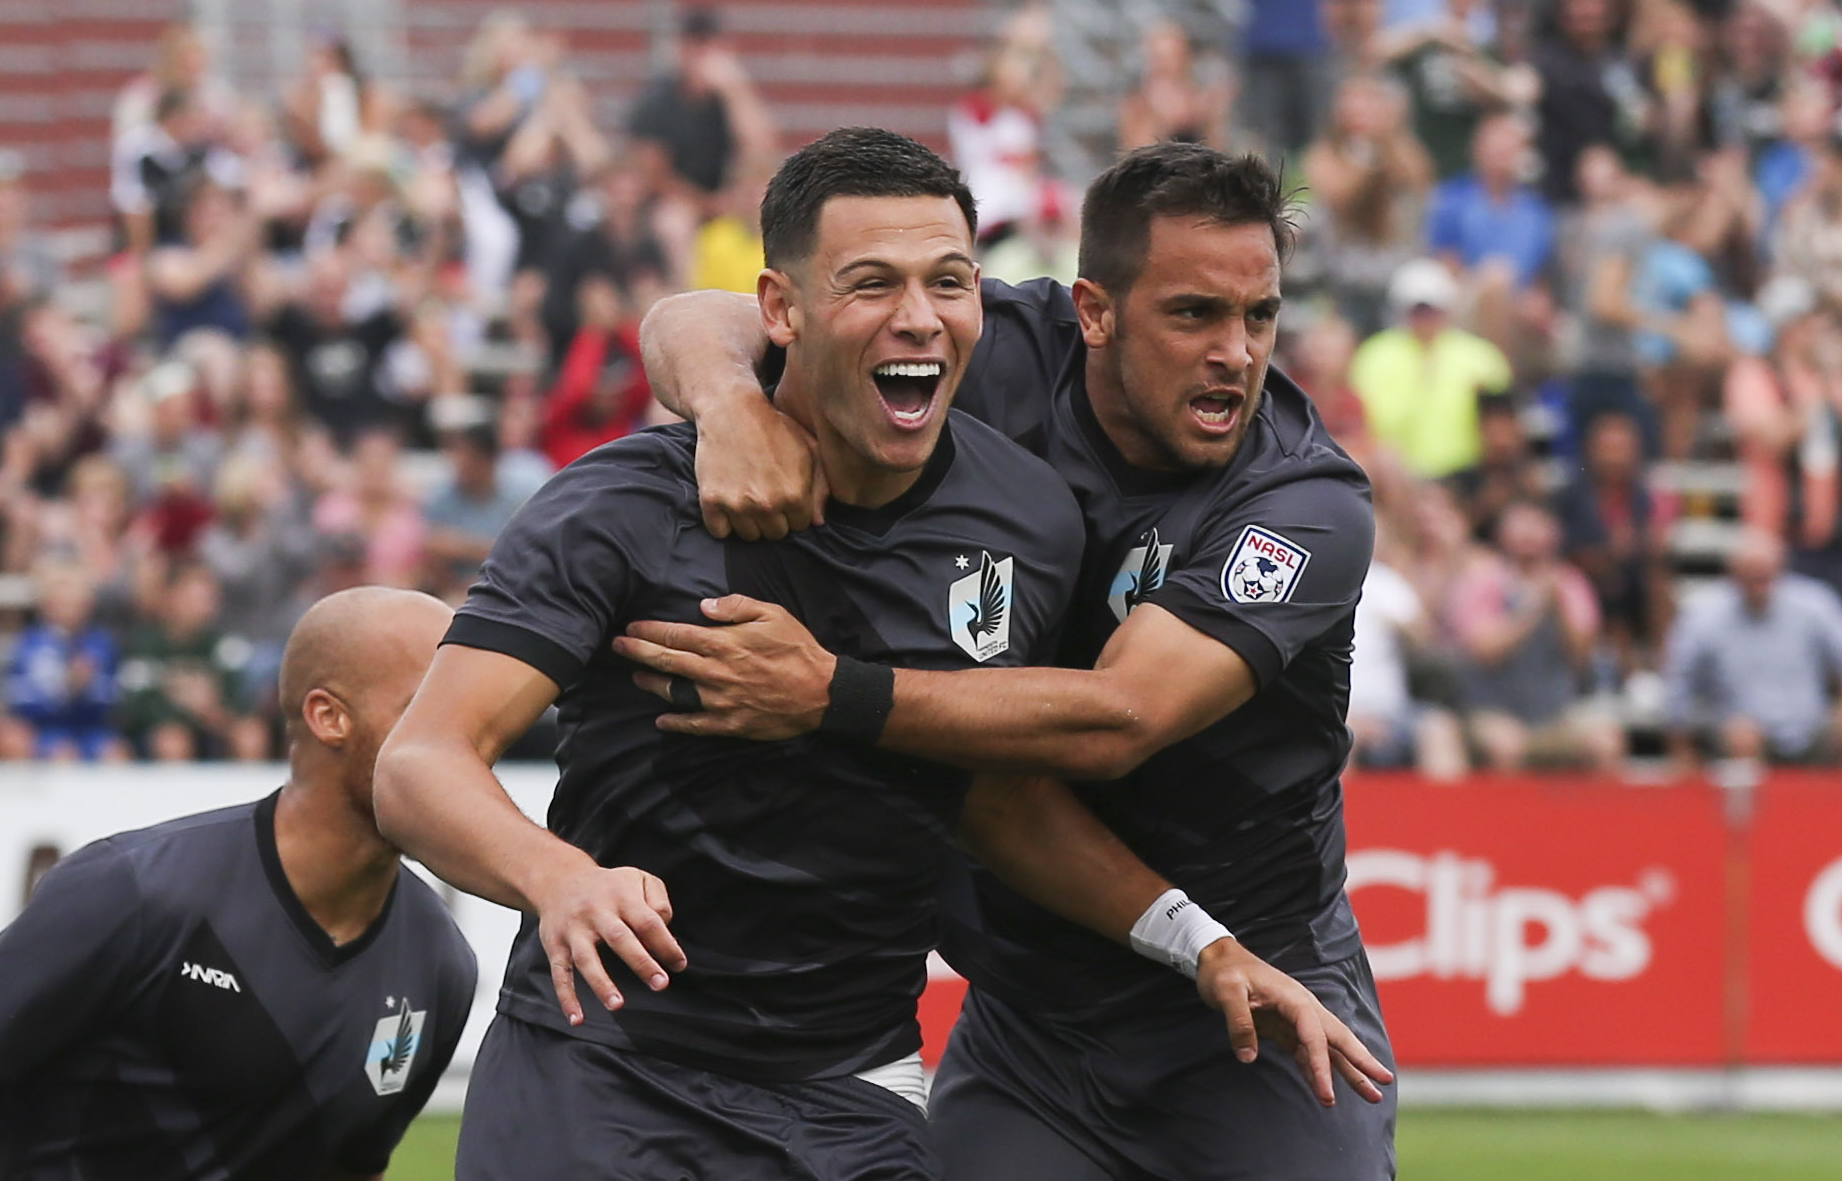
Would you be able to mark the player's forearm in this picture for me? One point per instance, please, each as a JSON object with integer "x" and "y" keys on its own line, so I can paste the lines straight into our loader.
{"x": 1069, "y": 723}
{"x": 701, "y": 350}
{"x": 442, "y": 805}
{"x": 1044, "y": 844}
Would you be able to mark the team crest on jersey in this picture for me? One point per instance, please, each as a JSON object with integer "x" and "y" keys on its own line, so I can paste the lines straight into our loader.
{"x": 1263, "y": 568}
{"x": 393, "y": 1046}
{"x": 1144, "y": 570}
{"x": 979, "y": 609}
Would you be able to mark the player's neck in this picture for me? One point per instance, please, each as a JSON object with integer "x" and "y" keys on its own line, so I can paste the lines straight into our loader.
{"x": 338, "y": 866}
{"x": 851, "y": 477}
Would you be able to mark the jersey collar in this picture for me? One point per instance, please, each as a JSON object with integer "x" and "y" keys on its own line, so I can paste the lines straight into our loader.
{"x": 880, "y": 520}
{"x": 329, "y": 953}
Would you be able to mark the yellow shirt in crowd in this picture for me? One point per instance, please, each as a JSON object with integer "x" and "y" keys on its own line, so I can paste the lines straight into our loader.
{"x": 726, "y": 256}
{"x": 1422, "y": 401}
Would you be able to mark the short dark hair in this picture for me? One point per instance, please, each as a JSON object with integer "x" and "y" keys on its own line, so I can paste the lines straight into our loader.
{"x": 1175, "y": 180}
{"x": 850, "y": 162}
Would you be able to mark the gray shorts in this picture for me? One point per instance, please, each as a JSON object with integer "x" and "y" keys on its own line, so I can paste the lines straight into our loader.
{"x": 1019, "y": 1099}
{"x": 543, "y": 1106}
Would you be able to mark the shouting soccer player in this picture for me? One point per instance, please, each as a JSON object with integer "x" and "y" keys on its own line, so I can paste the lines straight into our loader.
{"x": 258, "y": 992}
{"x": 803, "y": 875}
{"x": 1227, "y": 539}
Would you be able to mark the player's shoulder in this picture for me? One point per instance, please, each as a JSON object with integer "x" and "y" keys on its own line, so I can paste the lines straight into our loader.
{"x": 998, "y": 473}
{"x": 1043, "y": 299}
{"x": 430, "y": 924}
{"x": 656, "y": 465}
{"x": 168, "y": 862}
{"x": 1290, "y": 448}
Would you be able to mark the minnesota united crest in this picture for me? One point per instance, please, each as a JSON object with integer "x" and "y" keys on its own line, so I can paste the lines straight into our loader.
{"x": 979, "y": 609}
{"x": 393, "y": 1047}
{"x": 1143, "y": 571}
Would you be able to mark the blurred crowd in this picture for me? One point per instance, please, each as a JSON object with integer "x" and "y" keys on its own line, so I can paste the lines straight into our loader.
{"x": 1569, "y": 285}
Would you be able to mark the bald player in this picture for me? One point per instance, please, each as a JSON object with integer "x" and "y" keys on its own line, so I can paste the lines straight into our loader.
{"x": 262, "y": 991}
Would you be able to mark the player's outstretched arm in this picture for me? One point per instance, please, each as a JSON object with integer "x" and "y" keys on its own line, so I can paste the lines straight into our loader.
{"x": 437, "y": 799}
{"x": 1048, "y": 847}
{"x": 762, "y": 675}
{"x": 756, "y": 470}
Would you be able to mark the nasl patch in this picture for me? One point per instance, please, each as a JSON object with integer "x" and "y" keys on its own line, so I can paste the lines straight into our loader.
{"x": 1263, "y": 567}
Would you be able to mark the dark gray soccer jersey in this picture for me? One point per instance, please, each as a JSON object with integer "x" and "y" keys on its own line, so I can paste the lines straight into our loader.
{"x": 168, "y": 1009}
{"x": 803, "y": 874}
{"x": 1266, "y": 555}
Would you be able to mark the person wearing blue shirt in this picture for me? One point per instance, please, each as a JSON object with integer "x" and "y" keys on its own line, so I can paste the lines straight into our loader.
{"x": 1490, "y": 214}
{"x": 61, "y": 681}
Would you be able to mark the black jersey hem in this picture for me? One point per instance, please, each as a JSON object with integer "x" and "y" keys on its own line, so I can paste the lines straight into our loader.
{"x": 1249, "y": 642}
{"x": 331, "y": 954}
{"x": 508, "y": 639}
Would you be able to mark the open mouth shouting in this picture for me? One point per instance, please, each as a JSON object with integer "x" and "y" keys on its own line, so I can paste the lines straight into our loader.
{"x": 1217, "y": 411}
{"x": 908, "y": 389}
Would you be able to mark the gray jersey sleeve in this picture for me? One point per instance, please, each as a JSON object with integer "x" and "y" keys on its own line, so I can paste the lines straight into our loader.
{"x": 72, "y": 958}
{"x": 555, "y": 582}
{"x": 1272, "y": 574}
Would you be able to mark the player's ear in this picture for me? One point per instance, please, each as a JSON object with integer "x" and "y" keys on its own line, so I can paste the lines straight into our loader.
{"x": 779, "y": 313}
{"x": 326, "y": 718}
{"x": 1094, "y": 308}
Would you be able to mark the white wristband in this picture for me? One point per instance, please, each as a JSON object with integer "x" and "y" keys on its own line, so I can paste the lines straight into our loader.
{"x": 1173, "y": 931}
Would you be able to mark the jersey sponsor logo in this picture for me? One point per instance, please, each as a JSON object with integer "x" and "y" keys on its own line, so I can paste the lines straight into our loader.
{"x": 1263, "y": 568}
{"x": 393, "y": 1046}
{"x": 213, "y": 976}
{"x": 1144, "y": 570}
{"x": 1509, "y": 936}
{"x": 979, "y": 608}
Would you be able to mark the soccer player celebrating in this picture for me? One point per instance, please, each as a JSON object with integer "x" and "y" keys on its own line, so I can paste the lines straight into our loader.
{"x": 1227, "y": 541}
{"x": 803, "y": 875}
{"x": 262, "y": 991}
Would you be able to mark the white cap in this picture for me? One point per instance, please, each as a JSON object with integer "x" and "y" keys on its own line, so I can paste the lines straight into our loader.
{"x": 1423, "y": 282}
{"x": 1784, "y": 299}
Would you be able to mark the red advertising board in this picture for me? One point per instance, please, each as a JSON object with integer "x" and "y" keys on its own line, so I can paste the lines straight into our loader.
{"x": 1793, "y": 930}
{"x": 1557, "y": 923}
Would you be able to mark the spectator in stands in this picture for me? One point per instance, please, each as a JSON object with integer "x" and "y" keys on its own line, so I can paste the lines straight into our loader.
{"x": 1682, "y": 337}
{"x": 181, "y": 62}
{"x": 1752, "y": 663}
{"x": 1388, "y": 728}
{"x": 1747, "y": 98}
{"x": 467, "y": 511}
{"x": 1786, "y": 414}
{"x": 371, "y": 518}
{"x": 199, "y": 282}
{"x": 1455, "y": 77}
{"x": 1528, "y": 625}
{"x": 1371, "y": 176}
{"x": 1490, "y": 223}
{"x": 29, "y": 271}
{"x": 1170, "y": 102}
{"x": 1288, "y": 74}
{"x": 601, "y": 393}
{"x": 171, "y": 463}
{"x": 1506, "y": 470}
{"x": 61, "y": 681}
{"x": 995, "y": 133}
{"x": 156, "y": 165}
{"x": 1420, "y": 382}
{"x": 59, "y": 396}
{"x": 335, "y": 343}
{"x": 181, "y": 679}
{"x": 325, "y": 107}
{"x": 1608, "y": 237}
{"x": 1048, "y": 242}
{"x": 1809, "y": 236}
{"x": 1616, "y": 531}
{"x": 726, "y": 255}
{"x": 92, "y": 528}
{"x": 261, "y": 548}
{"x": 609, "y": 241}
{"x": 702, "y": 121}
{"x": 1589, "y": 90}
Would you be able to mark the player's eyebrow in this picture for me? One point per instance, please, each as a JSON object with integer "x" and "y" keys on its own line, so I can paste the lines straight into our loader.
{"x": 953, "y": 258}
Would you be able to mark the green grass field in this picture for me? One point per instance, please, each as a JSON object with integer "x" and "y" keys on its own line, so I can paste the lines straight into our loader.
{"x": 1441, "y": 1145}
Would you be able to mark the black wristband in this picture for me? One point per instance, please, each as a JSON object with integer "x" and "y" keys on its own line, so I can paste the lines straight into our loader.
{"x": 862, "y": 694}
